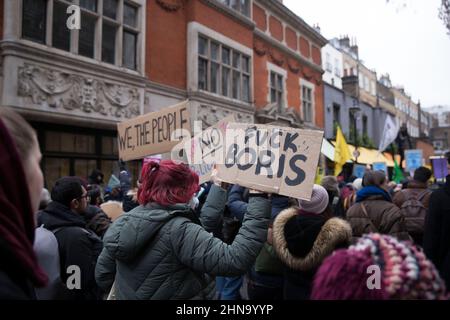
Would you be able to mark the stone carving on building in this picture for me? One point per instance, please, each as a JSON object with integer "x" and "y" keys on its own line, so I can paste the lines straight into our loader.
{"x": 294, "y": 66}
{"x": 62, "y": 90}
{"x": 276, "y": 57}
{"x": 171, "y": 5}
{"x": 259, "y": 47}
{"x": 272, "y": 114}
{"x": 210, "y": 115}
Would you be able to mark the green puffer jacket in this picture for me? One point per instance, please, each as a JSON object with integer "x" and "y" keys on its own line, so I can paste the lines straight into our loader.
{"x": 153, "y": 255}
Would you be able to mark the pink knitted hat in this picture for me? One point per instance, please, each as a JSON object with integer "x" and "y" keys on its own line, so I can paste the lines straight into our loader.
{"x": 405, "y": 272}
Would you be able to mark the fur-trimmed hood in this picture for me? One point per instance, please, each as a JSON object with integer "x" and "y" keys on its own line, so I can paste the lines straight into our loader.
{"x": 334, "y": 232}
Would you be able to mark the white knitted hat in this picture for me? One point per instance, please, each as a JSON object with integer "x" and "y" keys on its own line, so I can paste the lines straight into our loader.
{"x": 318, "y": 202}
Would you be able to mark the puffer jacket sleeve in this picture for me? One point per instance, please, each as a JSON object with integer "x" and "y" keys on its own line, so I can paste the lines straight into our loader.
{"x": 393, "y": 223}
{"x": 202, "y": 252}
{"x": 105, "y": 270}
{"x": 212, "y": 210}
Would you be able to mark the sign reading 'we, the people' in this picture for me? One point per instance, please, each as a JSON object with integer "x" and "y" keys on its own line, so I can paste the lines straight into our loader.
{"x": 153, "y": 133}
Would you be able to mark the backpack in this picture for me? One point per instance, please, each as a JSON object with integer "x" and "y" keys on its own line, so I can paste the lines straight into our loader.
{"x": 415, "y": 212}
{"x": 47, "y": 252}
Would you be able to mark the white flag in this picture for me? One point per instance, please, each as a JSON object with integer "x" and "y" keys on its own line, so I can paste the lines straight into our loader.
{"x": 390, "y": 131}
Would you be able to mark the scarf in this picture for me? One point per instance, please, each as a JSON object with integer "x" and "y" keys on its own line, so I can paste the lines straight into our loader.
{"x": 366, "y": 192}
{"x": 16, "y": 215}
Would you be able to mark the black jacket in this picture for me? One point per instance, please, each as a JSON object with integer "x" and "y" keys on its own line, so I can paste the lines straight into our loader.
{"x": 13, "y": 284}
{"x": 78, "y": 246}
{"x": 436, "y": 242}
{"x": 302, "y": 243}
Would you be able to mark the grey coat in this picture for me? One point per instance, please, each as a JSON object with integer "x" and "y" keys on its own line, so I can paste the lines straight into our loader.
{"x": 153, "y": 255}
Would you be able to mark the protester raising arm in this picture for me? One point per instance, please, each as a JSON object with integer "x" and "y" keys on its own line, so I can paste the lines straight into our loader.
{"x": 202, "y": 252}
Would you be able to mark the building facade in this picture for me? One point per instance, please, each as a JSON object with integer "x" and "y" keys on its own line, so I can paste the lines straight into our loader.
{"x": 332, "y": 63}
{"x": 254, "y": 59}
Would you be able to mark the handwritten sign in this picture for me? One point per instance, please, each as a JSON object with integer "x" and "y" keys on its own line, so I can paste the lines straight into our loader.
{"x": 359, "y": 170}
{"x": 204, "y": 150}
{"x": 413, "y": 159}
{"x": 153, "y": 133}
{"x": 440, "y": 169}
{"x": 380, "y": 166}
{"x": 271, "y": 159}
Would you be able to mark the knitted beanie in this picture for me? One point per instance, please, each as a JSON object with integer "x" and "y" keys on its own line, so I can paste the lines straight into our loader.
{"x": 318, "y": 202}
{"x": 405, "y": 272}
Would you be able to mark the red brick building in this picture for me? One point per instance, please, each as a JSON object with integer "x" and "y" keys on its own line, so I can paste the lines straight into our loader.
{"x": 236, "y": 56}
{"x": 253, "y": 58}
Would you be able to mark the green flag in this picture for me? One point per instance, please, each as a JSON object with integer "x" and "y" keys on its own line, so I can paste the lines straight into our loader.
{"x": 398, "y": 174}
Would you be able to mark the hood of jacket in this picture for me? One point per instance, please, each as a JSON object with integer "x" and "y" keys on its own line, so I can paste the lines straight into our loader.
{"x": 333, "y": 233}
{"x": 134, "y": 230}
{"x": 57, "y": 215}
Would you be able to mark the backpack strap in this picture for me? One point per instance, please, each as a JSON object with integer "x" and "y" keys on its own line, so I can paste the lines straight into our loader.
{"x": 364, "y": 210}
{"x": 422, "y": 195}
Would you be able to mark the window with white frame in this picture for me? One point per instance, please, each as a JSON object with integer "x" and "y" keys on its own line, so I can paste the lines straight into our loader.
{"x": 242, "y": 6}
{"x": 276, "y": 89}
{"x": 109, "y": 28}
{"x": 223, "y": 70}
{"x": 307, "y": 91}
{"x": 361, "y": 81}
{"x": 328, "y": 66}
{"x": 366, "y": 84}
{"x": 337, "y": 70}
{"x": 372, "y": 88}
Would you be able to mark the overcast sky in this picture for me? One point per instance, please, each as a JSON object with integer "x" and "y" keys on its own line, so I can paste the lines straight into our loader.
{"x": 409, "y": 42}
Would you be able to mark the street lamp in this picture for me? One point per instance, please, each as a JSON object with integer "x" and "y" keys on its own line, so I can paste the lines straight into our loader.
{"x": 355, "y": 111}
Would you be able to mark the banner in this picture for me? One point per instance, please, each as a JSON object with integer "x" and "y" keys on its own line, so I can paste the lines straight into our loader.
{"x": 413, "y": 158}
{"x": 271, "y": 159}
{"x": 440, "y": 169}
{"x": 380, "y": 166}
{"x": 153, "y": 133}
{"x": 390, "y": 131}
{"x": 359, "y": 170}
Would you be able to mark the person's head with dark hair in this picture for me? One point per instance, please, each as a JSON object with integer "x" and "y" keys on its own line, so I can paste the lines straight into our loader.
{"x": 21, "y": 184}
{"x": 422, "y": 174}
{"x": 70, "y": 192}
{"x": 375, "y": 179}
{"x": 96, "y": 177}
{"x": 95, "y": 195}
{"x": 167, "y": 183}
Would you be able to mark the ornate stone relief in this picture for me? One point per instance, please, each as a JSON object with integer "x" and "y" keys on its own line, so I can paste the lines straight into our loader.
{"x": 210, "y": 115}
{"x": 62, "y": 90}
{"x": 294, "y": 66}
{"x": 276, "y": 56}
{"x": 259, "y": 47}
{"x": 272, "y": 114}
{"x": 171, "y": 5}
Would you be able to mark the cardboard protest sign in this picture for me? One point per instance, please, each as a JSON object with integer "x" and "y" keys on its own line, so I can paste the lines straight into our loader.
{"x": 440, "y": 169}
{"x": 380, "y": 166}
{"x": 271, "y": 159}
{"x": 413, "y": 159}
{"x": 153, "y": 133}
{"x": 204, "y": 150}
{"x": 359, "y": 170}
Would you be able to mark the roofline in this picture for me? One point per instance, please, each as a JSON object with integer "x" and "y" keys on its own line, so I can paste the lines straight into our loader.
{"x": 295, "y": 20}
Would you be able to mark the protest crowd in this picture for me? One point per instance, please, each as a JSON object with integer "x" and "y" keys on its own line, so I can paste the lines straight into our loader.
{"x": 173, "y": 237}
